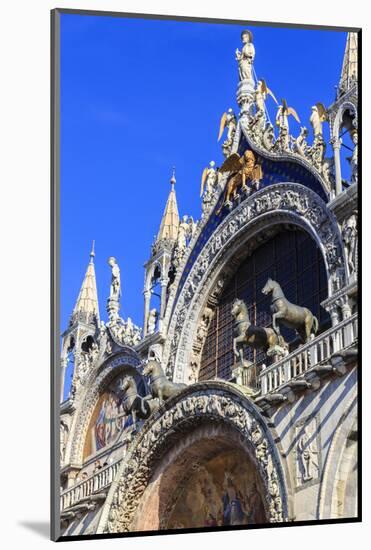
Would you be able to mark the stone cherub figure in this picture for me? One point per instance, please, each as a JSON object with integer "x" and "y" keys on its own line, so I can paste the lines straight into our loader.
{"x": 246, "y": 56}
{"x": 115, "y": 289}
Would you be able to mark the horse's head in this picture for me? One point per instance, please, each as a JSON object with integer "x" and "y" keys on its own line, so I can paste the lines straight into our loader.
{"x": 268, "y": 287}
{"x": 152, "y": 367}
{"x": 238, "y": 306}
{"x": 128, "y": 382}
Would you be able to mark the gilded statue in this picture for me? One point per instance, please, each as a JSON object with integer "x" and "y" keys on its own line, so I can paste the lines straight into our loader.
{"x": 246, "y": 56}
{"x": 243, "y": 169}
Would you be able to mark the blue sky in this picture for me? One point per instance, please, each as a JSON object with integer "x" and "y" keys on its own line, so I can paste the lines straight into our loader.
{"x": 140, "y": 96}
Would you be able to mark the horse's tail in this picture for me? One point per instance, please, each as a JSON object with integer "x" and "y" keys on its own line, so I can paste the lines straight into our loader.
{"x": 315, "y": 324}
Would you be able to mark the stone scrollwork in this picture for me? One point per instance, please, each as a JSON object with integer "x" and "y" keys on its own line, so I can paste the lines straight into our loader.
{"x": 211, "y": 402}
{"x": 285, "y": 200}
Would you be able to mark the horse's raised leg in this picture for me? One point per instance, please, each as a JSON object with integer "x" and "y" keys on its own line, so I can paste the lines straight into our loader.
{"x": 275, "y": 316}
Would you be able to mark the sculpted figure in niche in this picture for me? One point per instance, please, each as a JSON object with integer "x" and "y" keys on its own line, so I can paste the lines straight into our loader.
{"x": 208, "y": 184}
{"x": 152, "y": 318}
{"x": 354, "y": 157}
{"x": 115, "y": 289}
{"x": 307, "y": 452}
{"x": 350, "y": 240}
{"x": 246, "y": 56}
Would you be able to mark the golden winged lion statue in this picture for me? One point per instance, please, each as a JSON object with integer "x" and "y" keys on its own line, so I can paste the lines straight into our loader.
{"x": 242, "y": 169}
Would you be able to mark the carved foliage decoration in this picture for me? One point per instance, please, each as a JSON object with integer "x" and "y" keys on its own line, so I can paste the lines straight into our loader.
{"x": 206, "y": 402}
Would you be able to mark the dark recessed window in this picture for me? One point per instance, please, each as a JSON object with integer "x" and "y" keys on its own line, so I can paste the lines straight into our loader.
{"x": 291, "y": 258}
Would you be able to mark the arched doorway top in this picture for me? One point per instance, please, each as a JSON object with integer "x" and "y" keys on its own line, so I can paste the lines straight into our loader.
{"x": 127, "y": 361}
{"x": 212, "y": 403}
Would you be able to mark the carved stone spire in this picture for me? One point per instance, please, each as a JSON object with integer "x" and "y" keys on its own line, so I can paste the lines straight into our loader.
{"x": 86, "y": 308}
{"x": 349, "y": 71}
{"x": 170, "y": 219}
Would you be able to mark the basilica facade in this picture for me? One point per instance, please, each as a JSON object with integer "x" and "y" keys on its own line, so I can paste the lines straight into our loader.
{"x": 236, "y": 404}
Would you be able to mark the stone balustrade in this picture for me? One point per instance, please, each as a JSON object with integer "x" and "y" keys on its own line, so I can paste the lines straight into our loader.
{"x": 316, "y": 352}
{"x": 92, "y": 484}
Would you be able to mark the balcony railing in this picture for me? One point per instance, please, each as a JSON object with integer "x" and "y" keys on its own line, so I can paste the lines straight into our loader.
{"x": 89, "y": 486}
{"x": 315, "y": 352}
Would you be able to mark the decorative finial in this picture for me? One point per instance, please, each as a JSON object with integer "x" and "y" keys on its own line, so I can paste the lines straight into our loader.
{"x": 173, "y": 180}
{"x": 92, "y": 253}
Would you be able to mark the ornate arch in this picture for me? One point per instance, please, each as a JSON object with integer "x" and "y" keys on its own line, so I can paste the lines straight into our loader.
{"x": 217, "y": 404}
{"x": 337, "y": 120}
{"x": 284, "y": 203}
{"x": 126, "y": 361}
{"x": 337, "y": 469}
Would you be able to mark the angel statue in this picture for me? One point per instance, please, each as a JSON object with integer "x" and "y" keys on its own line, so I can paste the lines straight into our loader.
{"x": 284, "y": 111}
{"x": 319, "y": 115}
{"x": 246, "y": 56}
{"x": 186, "y": 230}
{"x": 261, "y": 93}
{"x": 242, "y": 169}
{"x": 115, "y": 289}
{"x": 208, "y": 183}
{"x": 228, "y": 121}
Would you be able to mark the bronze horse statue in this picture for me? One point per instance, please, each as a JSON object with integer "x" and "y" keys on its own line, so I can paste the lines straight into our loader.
{"x": 292, "y": 316}
{"x": 251, "y": 335}
{"x": 160, "y": 386}
{"x": 133, "y": 403}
